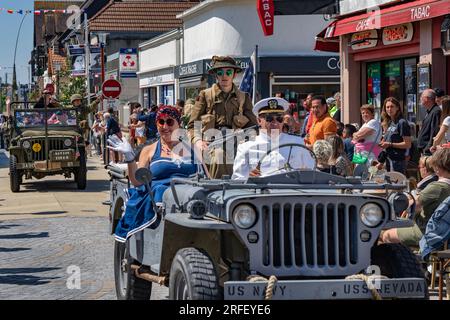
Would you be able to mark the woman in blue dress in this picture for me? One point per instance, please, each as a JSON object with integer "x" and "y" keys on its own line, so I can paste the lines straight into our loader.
{"x": 166, "y": 159}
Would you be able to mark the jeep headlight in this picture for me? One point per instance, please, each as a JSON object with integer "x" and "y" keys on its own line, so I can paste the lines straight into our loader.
{"x": 26, "y": 144}
{"x": 67, "y": 142}
{"x": 371, "y": 214}
{"x": 244, "y": 216}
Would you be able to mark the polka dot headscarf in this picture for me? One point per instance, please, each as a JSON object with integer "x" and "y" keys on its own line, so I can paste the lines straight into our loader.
{"x": 168, "y": 111}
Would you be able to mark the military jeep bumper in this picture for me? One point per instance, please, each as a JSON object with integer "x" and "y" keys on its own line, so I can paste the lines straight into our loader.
{"x": 331, "y": 289}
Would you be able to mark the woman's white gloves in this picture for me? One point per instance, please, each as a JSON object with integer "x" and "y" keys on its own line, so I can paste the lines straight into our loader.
{"x": 122, "y": 146}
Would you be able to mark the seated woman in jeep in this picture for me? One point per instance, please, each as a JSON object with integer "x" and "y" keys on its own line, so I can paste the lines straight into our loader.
{"x": 164, "y": 158}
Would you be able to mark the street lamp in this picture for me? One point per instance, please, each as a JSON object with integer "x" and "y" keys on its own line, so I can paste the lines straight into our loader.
{"x": 14, "y": 64}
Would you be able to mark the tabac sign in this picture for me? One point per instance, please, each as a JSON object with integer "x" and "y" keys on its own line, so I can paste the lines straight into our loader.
{"x": 266, "y": 13}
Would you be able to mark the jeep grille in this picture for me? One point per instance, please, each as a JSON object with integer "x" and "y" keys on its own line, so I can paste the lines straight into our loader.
{"x": 309, "y": 236}
{"x": 54, "y": 144}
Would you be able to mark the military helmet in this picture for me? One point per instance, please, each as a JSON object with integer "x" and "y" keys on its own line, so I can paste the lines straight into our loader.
{"x": 76, "y": 96}
{"x": 219, "y": 62}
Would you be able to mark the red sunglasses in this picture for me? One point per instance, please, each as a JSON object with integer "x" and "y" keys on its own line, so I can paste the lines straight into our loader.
{"x": 170, "y": 122}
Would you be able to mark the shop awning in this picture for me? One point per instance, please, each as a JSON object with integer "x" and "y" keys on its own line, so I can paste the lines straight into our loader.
{"x": 327, "y": 39}
{"x": 406, "y": 12}
{"x": 324, "y": 43}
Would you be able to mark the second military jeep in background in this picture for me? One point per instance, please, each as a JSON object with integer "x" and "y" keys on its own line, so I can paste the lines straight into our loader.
{"x": 46, "y": 142}
{"x": 315, "y": 233}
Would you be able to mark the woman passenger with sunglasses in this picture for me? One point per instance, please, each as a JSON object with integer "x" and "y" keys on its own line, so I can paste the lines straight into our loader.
{"x": 165, "y": 158}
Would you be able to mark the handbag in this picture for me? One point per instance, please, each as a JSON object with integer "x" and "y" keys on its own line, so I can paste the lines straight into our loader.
{"x": 360, "y": 158}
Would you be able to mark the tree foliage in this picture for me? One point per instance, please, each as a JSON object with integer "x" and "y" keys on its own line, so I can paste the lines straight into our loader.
{"x": 70, "y": 85}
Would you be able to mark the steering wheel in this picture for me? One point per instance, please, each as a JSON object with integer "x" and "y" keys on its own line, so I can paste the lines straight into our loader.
{"x": 287, "y": 166}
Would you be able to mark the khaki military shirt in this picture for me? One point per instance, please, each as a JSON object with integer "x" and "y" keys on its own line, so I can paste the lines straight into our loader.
{"x": 84, "y": 111}
{"x": 220, "y": 113}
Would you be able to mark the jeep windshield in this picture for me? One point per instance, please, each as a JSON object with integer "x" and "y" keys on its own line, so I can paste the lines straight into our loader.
{"x": 55, "y": 118}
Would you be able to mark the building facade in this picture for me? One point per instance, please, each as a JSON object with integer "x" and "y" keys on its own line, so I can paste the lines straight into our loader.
{"x": 287, "y": 60}
{"x": 157, "y": 59}
{"x": 397, "y": 49}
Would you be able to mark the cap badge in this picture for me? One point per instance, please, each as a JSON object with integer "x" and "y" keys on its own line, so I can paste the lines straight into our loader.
{"x": 273, "y": 104}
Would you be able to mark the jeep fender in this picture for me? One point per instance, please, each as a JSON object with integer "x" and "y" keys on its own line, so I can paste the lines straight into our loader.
{"x": 180, "y": 231}
{"x": 18, "y": 152}
{"x": 116, "y": 211}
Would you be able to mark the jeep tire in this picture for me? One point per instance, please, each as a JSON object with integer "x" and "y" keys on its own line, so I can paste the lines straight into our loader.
{"x": 80, "y": 173}
{"x": 193, "y": 276}
{"x": 397, "y": 261}
{"x": 128, "y": 286}
{"x": 14, "y": 174}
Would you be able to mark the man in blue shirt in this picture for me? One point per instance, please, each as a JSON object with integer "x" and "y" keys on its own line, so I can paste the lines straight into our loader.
{"x": 150, "y": 123}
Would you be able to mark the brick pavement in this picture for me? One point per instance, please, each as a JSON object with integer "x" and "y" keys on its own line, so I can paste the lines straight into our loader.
{"x": 36, "y": 256}
{"x": 53, "y": 228}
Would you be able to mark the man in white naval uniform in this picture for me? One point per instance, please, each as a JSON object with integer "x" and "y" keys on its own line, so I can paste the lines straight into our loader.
{"x": 270, "y": 113}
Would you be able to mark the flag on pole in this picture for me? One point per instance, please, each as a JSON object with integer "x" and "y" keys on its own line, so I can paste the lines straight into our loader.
{"x": 248, "y": 78}
{"x": 10, "y": 11}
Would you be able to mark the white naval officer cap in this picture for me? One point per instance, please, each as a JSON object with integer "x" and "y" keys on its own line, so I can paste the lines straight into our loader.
{"x": 271, "y": 105}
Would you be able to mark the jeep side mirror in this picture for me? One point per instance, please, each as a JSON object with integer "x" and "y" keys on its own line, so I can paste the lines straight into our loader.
{"x": 143, "y": 175}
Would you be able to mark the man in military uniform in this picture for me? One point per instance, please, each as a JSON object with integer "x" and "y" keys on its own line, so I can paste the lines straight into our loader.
{"x": 77, "y": 102}
{"x": 83, "y": 116}
{"x": 223, "y": 106}
{"x": 270, "y": 112}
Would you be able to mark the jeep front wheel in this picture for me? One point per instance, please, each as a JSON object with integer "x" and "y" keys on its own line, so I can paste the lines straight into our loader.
{"x": 396, "y": 260}
{"x": 128, "y": 286}
{"x": 14, "y": 174}
{"x": 193, "y": 276}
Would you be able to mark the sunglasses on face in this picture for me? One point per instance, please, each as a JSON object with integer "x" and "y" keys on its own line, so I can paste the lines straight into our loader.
{"x": 170, "y": 122}
{"x": 228, "y": 72}
{"x": 270, "y": 118}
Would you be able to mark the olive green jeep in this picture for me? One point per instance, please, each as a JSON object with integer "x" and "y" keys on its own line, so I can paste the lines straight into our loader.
{"x": 46, "y": 142}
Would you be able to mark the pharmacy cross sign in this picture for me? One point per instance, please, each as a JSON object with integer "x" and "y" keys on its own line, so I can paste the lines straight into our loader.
{"x": 111, "y": 89}
{"x": 266, "y": 13}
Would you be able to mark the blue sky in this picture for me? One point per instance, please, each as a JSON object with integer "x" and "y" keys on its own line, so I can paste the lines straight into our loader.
{"x": 9, "y": 25}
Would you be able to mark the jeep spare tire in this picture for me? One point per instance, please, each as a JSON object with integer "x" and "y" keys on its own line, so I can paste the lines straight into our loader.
{"x": 193, "y": 276}
{"x": 14, "y": 174}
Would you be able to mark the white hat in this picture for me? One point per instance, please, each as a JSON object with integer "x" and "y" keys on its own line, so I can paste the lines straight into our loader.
{"x": 271, "y": 105}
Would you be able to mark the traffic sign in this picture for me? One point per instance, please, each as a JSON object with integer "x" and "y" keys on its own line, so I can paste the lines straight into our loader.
{"x": 111, "y": 88}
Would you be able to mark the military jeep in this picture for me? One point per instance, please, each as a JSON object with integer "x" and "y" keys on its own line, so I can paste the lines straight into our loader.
{"x": 46, "y": 142}
{"x": 317, "y": 233}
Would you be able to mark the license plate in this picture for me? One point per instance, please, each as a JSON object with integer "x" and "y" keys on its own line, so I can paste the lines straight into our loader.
{"x": 61, "y": 155}
{"x": 325, "y": 289}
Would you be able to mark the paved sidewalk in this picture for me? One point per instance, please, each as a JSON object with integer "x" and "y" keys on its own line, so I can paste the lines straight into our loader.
{"x": 38, "y": 256}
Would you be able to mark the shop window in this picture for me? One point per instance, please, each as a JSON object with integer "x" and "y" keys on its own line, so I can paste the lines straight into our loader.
{"x": 374, "y": 87}
{"x": 411, "y": 89}
{"x": 393, "y": 79}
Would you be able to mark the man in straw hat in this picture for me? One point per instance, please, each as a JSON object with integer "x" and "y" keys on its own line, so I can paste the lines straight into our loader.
{"x": 270, "y": 114}
{"x": 222, "y": 107}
